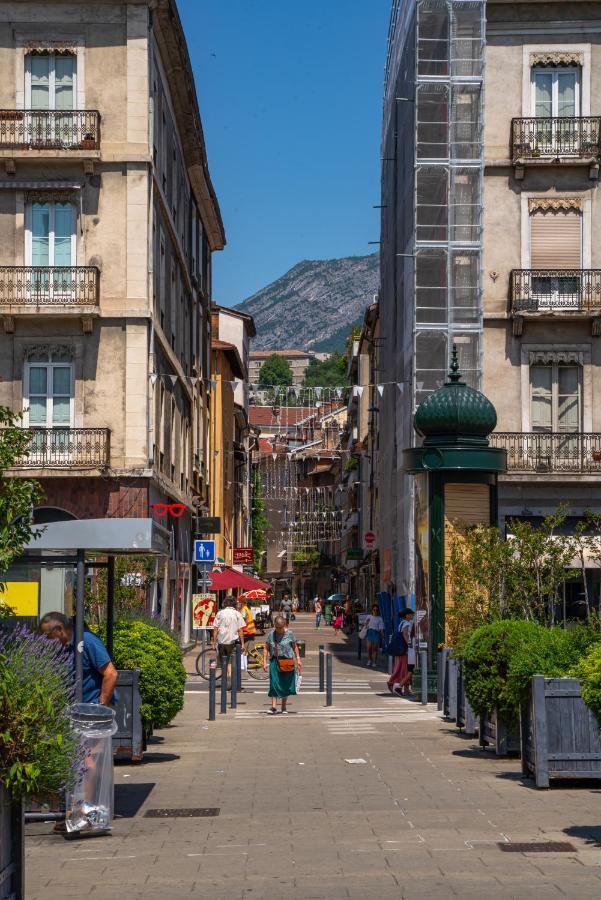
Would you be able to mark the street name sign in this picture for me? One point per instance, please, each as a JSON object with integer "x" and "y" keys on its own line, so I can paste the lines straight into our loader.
{"x": 204, "y": 551}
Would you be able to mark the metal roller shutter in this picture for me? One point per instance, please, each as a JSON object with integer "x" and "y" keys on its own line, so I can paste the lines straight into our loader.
{"x": 556, "y": 239}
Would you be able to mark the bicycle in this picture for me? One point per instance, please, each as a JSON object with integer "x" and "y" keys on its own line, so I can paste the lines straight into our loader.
{"x": 254, "y": 662}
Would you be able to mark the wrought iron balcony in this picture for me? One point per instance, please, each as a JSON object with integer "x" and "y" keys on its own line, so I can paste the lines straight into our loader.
{"x": 550, "y": 452}
{"x": 552, "y": 290}
{"x": 573, "y": 137}
{"x": 33, "y": 286}
{"x": 49, "y": 129}
{"x": 67, "y": 448}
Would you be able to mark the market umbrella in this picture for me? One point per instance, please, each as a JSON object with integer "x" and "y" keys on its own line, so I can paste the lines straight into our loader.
{"x": 255, "y": 594}
{"x": 334, "y": 597}
{"x": 228, "y": 579}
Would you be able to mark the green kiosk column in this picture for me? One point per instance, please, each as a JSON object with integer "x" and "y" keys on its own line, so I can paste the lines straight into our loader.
{"x": 455, "y": 473}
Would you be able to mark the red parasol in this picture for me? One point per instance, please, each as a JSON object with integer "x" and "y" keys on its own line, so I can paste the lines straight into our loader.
{"x": 227, "y": 579}
{"x": 255, "y": 594}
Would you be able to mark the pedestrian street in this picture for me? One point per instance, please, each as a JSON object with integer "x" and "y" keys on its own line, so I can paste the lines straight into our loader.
{"x": 375, "y": 795}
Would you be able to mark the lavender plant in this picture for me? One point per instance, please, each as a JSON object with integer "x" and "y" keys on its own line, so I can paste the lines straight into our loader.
{"x": 39, "y": 752}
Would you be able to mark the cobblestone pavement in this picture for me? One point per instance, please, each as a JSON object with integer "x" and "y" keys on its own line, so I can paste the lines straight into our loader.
{"x": 427, "y": 814}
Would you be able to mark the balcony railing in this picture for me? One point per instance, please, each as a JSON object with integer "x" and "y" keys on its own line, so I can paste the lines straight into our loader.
{"x": 575, "y": 137}
{"x": 550, "y": 452}
{"x": 49, "y": 285}
{"x": 42, "y": 129}
{"x": 68, "y": 448}
{"x": 548, "y": 290}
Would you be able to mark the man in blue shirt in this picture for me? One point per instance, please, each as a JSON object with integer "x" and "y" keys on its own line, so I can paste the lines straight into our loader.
{"x": 99, "y": 674}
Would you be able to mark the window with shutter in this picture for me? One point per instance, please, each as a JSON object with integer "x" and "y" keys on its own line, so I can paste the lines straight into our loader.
{"x": 555, "y": 403}
{"x": 556, "y": 244}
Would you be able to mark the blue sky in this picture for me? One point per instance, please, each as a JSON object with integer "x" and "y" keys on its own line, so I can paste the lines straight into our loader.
{"x": 290, "y": 94}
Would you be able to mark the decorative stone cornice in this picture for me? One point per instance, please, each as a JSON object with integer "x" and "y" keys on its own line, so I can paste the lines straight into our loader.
{"x": 65, "y": 195}
{"x": 548, "y": 357}
{"x": 557, "y": 58}
{"x": 536, "y": 204}
{"x": 55, "y": 352}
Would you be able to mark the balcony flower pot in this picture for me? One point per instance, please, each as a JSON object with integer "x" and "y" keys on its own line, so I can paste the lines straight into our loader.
{"x": 11, "y": 115}
{"x": 597, "y": 455}
{"x": 88, "y": 142}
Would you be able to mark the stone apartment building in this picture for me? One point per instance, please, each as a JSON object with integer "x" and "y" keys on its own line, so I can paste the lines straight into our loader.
{"x": 490, "y": 241}
{"x": 298, "y": 359}
{"x": 108, "y": 220}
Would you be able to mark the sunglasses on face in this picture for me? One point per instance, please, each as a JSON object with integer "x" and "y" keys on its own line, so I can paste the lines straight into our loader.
{"x": 174, "y": 509}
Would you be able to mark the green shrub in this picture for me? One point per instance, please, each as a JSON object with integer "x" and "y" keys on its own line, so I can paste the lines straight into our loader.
{"x": 140, "y": 645}
{"x": 39, "y": 752}
{"x": 588, "y": 670}
{"x": 500, "y": 658}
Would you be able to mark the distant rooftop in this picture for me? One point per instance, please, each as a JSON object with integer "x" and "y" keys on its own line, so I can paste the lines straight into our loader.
{"x": 264, "y": 354}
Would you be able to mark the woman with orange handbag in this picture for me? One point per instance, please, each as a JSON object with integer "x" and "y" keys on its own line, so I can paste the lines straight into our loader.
{"x": 280, "y": 653}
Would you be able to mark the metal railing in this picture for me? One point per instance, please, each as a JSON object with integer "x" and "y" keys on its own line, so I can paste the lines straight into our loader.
{"x": 578, "y": 137}
{"x": 538, "y": 290}
{"x": 49, "y": 129}
{"x": 550, "y": 452}
{"x": 49, "y": 285}
{"x": 69, "y": 448}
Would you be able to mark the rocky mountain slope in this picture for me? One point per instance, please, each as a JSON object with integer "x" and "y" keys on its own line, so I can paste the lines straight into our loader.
{"x": 314, "y": 304}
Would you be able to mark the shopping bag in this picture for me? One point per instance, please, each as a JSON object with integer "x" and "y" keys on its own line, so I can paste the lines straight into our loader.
{"x": 244, "y": 662}
{"x": 299, "y": 681}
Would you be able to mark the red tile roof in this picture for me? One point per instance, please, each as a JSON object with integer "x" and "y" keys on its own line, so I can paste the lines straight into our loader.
{"x": 287, "y": 415}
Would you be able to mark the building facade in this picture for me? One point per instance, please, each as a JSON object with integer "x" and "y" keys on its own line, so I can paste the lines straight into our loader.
{"x": 108, "y": 220}
{"x": 490, "y": 162}
{"x": 298, "y": 359}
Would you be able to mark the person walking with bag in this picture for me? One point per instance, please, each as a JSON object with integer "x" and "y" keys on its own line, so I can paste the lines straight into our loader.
{"x": 373, "y": 632}
{"x": 317, "y": 607}
{"x": 280, "y": 654}
{"x": 398, "y": 647}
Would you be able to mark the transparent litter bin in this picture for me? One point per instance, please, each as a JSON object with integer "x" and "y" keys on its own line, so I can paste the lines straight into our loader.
{"x": 89, "y": 803}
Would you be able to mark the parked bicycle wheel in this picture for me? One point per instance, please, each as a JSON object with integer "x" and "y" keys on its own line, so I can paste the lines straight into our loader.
{"x": 254, "y": 653}
{"x": 203, "y": 664}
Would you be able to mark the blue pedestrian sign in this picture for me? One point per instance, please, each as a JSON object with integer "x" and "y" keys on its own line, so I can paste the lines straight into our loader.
{"x": 204, "y": 551}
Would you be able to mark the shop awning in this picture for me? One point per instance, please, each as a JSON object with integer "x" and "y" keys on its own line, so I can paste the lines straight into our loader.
{"x": 227, "y": 579}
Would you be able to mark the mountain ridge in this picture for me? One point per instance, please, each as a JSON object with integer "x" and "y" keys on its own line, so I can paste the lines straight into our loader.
{"x": 313, "y": 304}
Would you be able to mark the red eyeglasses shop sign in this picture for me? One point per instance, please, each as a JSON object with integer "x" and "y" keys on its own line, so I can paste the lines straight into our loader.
{"x": 243, "y": 556}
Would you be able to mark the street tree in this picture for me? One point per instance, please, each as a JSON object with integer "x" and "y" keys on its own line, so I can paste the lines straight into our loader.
{"x": 18, "y": 496}
{"x": 330, "y": 372}
{"x": 275, "y": 371}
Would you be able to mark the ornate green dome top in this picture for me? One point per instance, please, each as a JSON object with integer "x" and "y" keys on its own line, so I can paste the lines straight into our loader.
{"x": 455, "y": 413}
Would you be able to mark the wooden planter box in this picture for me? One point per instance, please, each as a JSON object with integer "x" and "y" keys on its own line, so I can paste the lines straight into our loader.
{"x": 12, "y": 848}
{"x": 450, "y": 689}
{"x": 559, "y": 733}
{"x": 466, "y": 717}
{"x": 129, "y": 742}
{"x": 495, "y": 732}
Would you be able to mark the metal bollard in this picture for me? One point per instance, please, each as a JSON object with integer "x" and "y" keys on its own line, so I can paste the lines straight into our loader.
{"x": 423, "y": 666}
{"x": 223, "y": 684}
{"x": 212, "y": 690}
{"x": 328, "y": 679}
{"x": 238, "y": 667}
{"x": 322, "y": 650}
{"x": 234, "y": 686}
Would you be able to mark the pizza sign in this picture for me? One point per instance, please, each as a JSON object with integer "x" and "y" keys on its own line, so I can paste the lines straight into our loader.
{"x": 204, "y": 610}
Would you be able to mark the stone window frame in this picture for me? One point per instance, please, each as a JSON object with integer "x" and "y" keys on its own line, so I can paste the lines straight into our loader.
{"x": 557, "y": 47}
{"x": 27, "y": 40}
{"x": 75, "y": 346}
{"x": 584, "y": 199}
{"x": 582, "y": 355}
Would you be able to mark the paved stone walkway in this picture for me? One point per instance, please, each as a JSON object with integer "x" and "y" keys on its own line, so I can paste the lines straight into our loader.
{"x": 425, "y": 815}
